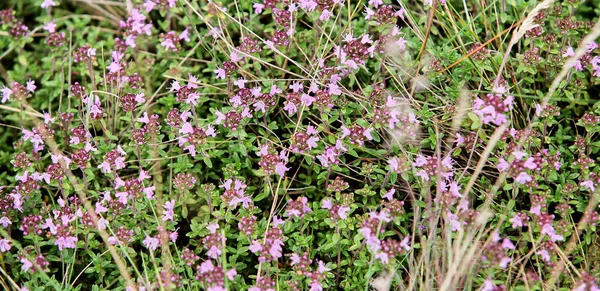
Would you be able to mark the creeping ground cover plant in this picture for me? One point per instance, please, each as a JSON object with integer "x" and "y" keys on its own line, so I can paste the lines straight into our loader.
{"x": 299, "y": 145}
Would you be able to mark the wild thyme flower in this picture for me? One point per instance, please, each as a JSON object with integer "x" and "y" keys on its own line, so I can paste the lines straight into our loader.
{"x": 48, "y": 3}
{"x": 31, "y": 225}
{"x": 196, "y": 137}
{"x": 214, "y": 275}
{"x": 247, "y": 225}
{"x": 427, "y": 167}
{"x": 336, "y": 211}
{"x": 150, "y": 5}
{"x": 493, "y": 107}
{"x": 518, "y": 168}
{"x": 170, "y": 40}
{"x": 587, "y": 282}
{"x": 301, "y": 264}
{"x": 214, "y": 243}
{"x": 304, "y": 141}
{"x": 297, "y": 208}
{"x": 496, "y": 252}
{"x": 152, "y": 243}
{"x": 189, "y": 257}
{"x": 122, "y": 236}
{"x": 184, "y": 181}
{"x": 4, "y": 245}
{"x": 64, "y": 237}
{"x": 271, "y": 248}
{"x": 84, "y": 54}
{"x": 271, "y": 162}
{"x": 263, "y": 283}
{"x": 168, "y": 213}
{"x": 235, "y": 193}
{"x": 130, "y": 101}
{"x": 134, "y": 26}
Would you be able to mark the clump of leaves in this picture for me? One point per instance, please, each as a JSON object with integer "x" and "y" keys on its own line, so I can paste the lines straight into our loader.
{"x": 298, "y": 145}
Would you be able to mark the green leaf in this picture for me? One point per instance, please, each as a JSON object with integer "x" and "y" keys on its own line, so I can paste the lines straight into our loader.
{"x": 207, "y": 161}
{"x": 184, "y": 211}
{"x": 475, "y": 119}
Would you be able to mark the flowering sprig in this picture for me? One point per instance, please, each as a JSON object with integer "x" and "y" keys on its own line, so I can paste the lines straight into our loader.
{"x": 271, "y": 162}
{"x": 494, "y": 107}
{"x": 270, "y": 248}
{"x": 518, "y": 167}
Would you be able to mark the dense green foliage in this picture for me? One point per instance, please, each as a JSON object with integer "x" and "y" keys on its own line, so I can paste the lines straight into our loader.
{"x": 299, "y": 145}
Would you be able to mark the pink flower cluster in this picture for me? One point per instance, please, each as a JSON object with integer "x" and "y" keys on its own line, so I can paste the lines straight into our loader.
{"x": 304, "y": 141}
{"x": 297, "y": 99}
{"x": 336, "y": 211}
{"x": 272, "y": 162}
{"x": 170, "y": 40}
{"x": 214, "y": 242}
{"x": 263, "y": 283}
{"x": 392, "y": 206}
{"x": 114, "y": 159}
{"x": 214, "y": 276}
{"x": 85, "y": 53}
{"x": 301, "y": 264}
{"x": 493, "y": 107}
{"x": 354, "y": 51}
{"x": 133, "y": 188}
{"x": 39, "y": 262}
{"x": 586, "y": 61}
{"x": 21, "y": 92}
{"x": 297, "y": 208}
{"x": 394, "y": 114}
{"x": 331, "y": 154}
{"x": 271, "y": 246}
{"x": 356, "y": 134}
{"x": 59, "y": 225}
{"x": 195, "y": 137}
{"x": 235, "y": 193}
{"x": 16, "y": 27}
{"x": 246, "y": 98}
{"x": 587, "y": 282}
{"x": 496, "y": 252}
{"x": 150, "y": 5}
{"x": 35, "y": 137}
{"x": 124, "y": 236}
{"x": 427, "y": 167}
{"x": 519, "y": 166}
{"x": 383, "y": 250}
{"x": 134, "y": 26}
